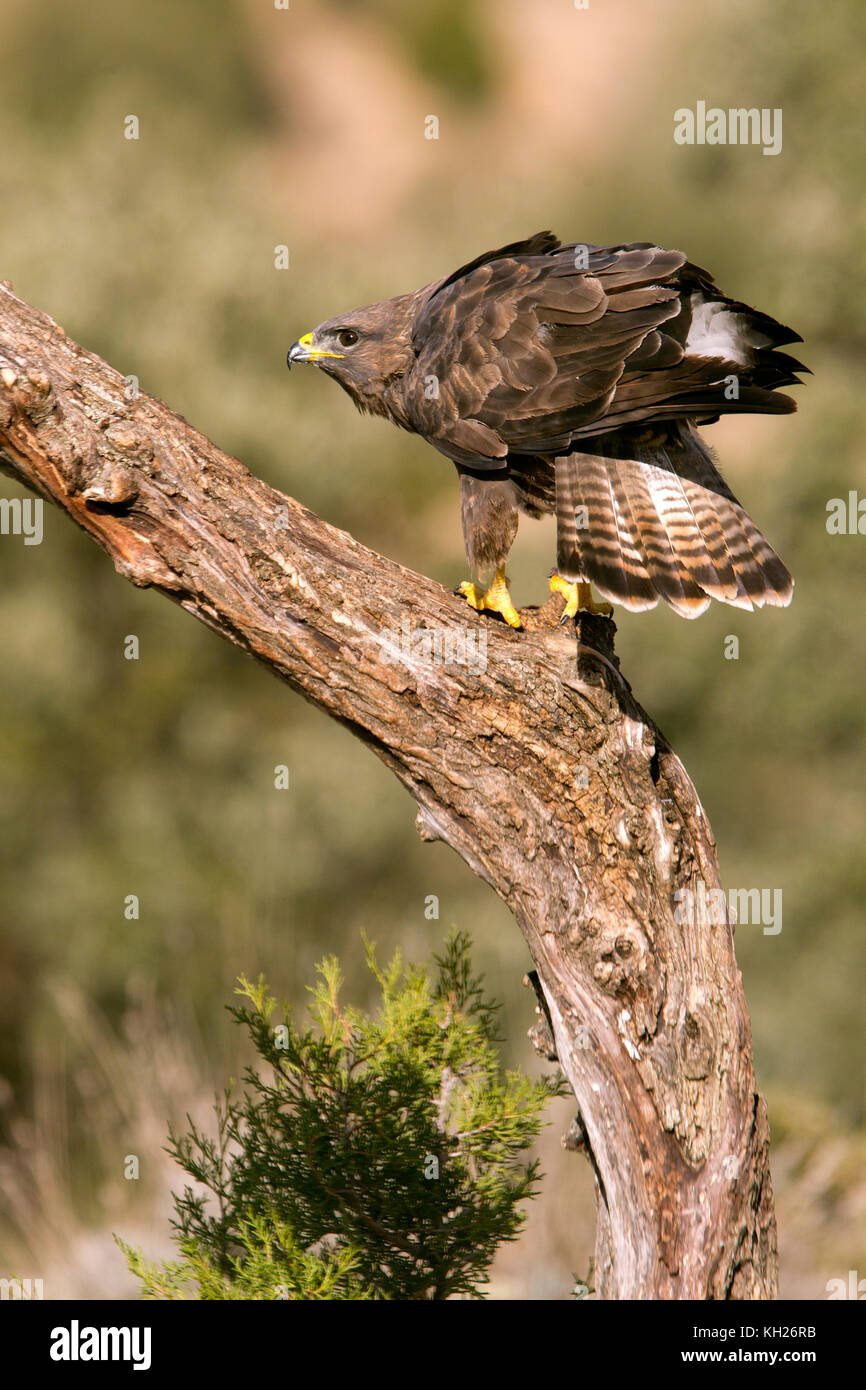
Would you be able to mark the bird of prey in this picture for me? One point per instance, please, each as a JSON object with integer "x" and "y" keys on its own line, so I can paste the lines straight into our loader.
{"x": 571, "y": 379}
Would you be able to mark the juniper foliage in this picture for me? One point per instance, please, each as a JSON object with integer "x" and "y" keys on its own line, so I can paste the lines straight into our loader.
{"x": 378, "y": 1155}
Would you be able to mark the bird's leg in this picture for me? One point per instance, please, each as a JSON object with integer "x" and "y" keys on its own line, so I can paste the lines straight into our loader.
{"x": 577, "y": 595}
{"x": 495, "y": 599}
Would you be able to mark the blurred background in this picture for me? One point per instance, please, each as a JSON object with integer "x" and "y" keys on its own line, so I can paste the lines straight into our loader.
{"x": 306, "y": 128}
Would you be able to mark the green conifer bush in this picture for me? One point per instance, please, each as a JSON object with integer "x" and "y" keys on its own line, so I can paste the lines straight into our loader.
{"x": 375, "y": 1155}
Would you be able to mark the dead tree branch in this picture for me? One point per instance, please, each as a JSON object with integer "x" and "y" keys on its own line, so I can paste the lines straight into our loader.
{"x": 537, "y": 766}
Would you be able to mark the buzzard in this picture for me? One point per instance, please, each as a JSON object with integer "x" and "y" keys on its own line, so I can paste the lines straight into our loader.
{"x": 571, "y": 379}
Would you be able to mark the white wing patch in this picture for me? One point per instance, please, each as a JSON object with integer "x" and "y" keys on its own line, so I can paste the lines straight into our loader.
{"x": 718, "y": 331}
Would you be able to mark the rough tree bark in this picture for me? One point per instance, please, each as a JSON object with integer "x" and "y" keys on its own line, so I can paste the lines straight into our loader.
{"x": 540, "y": 770}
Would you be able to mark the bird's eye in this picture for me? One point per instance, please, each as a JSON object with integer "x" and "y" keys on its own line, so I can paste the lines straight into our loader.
{"x": 347, "y": 337}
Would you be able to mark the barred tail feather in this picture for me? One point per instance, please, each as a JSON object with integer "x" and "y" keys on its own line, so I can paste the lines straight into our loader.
{"x": 662, "y": 523}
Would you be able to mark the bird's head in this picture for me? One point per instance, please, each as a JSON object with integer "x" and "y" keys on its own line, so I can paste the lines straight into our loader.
{"x": 364, "y": 350}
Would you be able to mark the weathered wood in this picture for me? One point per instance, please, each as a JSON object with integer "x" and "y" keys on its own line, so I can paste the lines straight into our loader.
{"x": 535, "y": 763}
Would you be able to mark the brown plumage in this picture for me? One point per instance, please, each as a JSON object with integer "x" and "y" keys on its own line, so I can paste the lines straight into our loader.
{"x": 571, "y": 379}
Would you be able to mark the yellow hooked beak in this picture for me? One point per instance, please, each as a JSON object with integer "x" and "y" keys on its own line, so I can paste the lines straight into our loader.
{"x": 303, "y": 351}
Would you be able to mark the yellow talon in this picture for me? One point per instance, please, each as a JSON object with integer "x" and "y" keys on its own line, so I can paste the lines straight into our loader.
{"x": 496, "y": 599}
{"x": 577, "y": 595}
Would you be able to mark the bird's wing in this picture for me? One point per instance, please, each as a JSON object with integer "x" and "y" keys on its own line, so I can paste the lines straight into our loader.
{"x": 537, "y": 345}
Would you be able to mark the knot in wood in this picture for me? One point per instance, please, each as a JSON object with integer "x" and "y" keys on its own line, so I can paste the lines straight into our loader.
{"x": 575, "y": 1138}
{"x": 122, "y": 437}
{"x": 697, "y": 1046}
{"x": 113, "y": 490}
{"x": 34, "y": 394}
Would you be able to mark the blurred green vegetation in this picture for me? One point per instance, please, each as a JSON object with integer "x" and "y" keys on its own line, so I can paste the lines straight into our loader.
{"x": 155, "y": 777}
{"x": 443, "y": 40}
